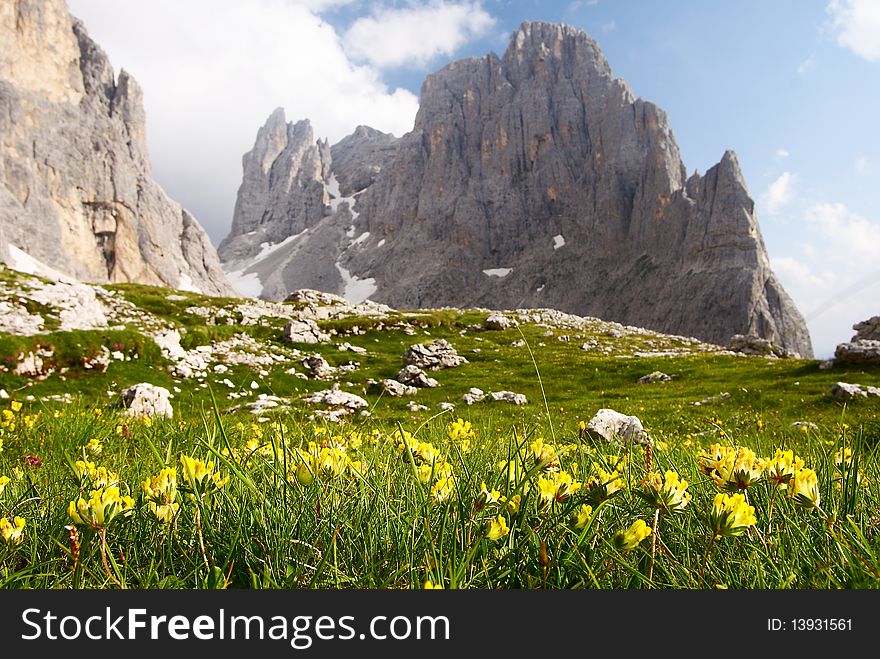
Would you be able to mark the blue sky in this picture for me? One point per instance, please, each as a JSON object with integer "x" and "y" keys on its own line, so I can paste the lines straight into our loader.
{"x": 793, "y": 86}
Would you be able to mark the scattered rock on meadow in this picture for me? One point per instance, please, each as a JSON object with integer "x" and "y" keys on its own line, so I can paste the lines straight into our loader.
{"x": 748, "y": 344}
{"x": 618, "y": 428}
{"x": 474, "y": 395}
{"x": 147, "y": 400}
{"x": 413, "y": 406}
{"x": 497, "y": 321}
{"x": 396, "y": 389}
{"x": 337, "y": 400}
{"x": 808, "y": 425}
{"x": 724, "y": 395}
{"x": 508, "y": 397}
{"x": 655, "y": 376}
{"x": 318, "y": 366}
{"x": 843, "y": 391}
{"x": 434, "y": 355}
{"x": 413, "y": 376}
{"x": 304, "y": 331}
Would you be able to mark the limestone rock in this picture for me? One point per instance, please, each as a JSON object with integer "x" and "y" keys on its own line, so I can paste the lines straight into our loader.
{"x": 508, "y": 397}
{"x": 415, "y": 377}
{"x": 655, "y": 376}
{"x": 864, "y": 347}
{"x": 76, "y": 189}
{"x": 618, "y": 428}
{"x": 434, "y": 355}
{"x": 531, "y": 179}
{"x": 318, "y": 367}
{"x": 337, "y": 400}
{"x": 843, "y": 391}
{"x": 497, "y": 321}
{"x": 396, "y": 389}
{"x": 304, "y": 331}
{"x": 148, "y": 400}
{"x": 755, "y": 345}
{"x": 474, "y": 395}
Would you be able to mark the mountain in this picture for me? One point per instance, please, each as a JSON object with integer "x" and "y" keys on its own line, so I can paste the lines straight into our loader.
{"x": 532, "y": 180}
{"x": 76, "y": 188}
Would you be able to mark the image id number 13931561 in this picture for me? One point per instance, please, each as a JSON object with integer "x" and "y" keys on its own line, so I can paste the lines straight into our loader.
{"x": 810, "y": 625}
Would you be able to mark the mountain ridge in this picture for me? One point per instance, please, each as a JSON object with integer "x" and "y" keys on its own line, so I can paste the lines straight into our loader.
{"x": 539, "y": 179}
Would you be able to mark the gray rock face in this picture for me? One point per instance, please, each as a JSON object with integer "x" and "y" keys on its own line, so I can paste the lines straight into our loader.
{"x": 415, "y": 377}
{"x": 755, "y": 345}
{"x": 539, "y": 180}
{"x": 618, "y": 428}
{"x": 433, "y": 356}
{"x": 76, "y": 190}
{"x": 864, "y": 347}
{"x": 147, "y": 399}
{"x": 844, "y": 391}
{"x": 357, "y": 160}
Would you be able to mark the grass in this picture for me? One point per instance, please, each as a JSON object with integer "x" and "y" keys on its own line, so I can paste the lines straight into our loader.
{"x": 357, "y": 504}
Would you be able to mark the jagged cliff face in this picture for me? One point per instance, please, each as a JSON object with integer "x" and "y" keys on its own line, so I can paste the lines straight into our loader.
{"x": 538, "y": 179}
{"x": 76, "y": 190}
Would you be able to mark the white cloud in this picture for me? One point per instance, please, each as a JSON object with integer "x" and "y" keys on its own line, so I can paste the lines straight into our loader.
{"x": 863, "y": 165}
{"x": 780, "y": 193}
{"x": 414, "y": 35}
{"x": 806, "y": 66}
{"x": 832, "y": 273}
{"x": 782, "y": 153}
{"x": 857, "y": 26}
{"x": 213, "y": 70}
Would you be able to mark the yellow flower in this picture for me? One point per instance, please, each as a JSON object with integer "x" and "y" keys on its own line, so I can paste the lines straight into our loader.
{"x": 843, "y": 458}
{"x": 582, "y": 516}
{"x": 15, "y": 405}
{"x": 459, "y": 429}
{"x": 443, "y": 490}
{"x": 102, "y": 478}
{"x": 667, "y": 492}
{"x": 710, "y": 457}
{"x": 486, "y": 496}
{"x": 782, "y": 467}
{"x": 497, "y": 528}
{"x": 103, "y": 506}
{"x": 602, "y": 485}
{"x": 4, "y": 481}
{"x": 805, "y": 489}
{"x": 430, "y": 585}
{"x": 737, "y": 469}
{"x": 731, "y": 515}
{"x": 565, "y": 485}
{"x": 84, "y": 470}
{"x": 161, "y": 489}
{"x": 512, "y": 504}
{"x": 544, "y": 455}
{"x": 629, "y": 539}
{"x": 11, "y": 532}
{"x": 95, "y": 447}
{"x": 164, "y": 512}
{"x": 546, "y": 492}
{"x": 200, "y": 476}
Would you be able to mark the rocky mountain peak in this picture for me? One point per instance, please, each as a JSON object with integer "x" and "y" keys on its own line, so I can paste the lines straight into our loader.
{"x": 539, "y": 180}
{"x": 76, "y": 190}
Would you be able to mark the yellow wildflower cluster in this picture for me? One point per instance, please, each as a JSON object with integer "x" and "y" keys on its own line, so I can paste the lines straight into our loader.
{"x": 558, "y": 487}
{"x": 732, "y": 468}
{"x": 11, "y": 532}
{"x": 161, "y": 493}
{"x": 782, "y": 467}
{"x": 730, "y": 515}
{"x": 102, "y": 507}
{"x": 200, "y": 478}
{"x": 603, "y": 484}
{"x": 97, "y": 477}
{"x": 667, "y": 493}
{"x": 431, "y": 465}
{"x": 326, "y": 461}
{"x": 630, "y": 539}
